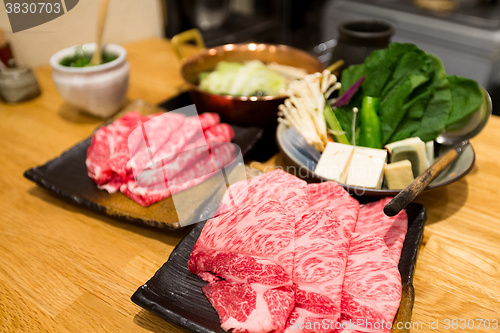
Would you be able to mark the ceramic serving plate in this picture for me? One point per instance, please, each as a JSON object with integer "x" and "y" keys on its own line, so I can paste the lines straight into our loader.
{"x": 175, "y": 294}
{"x": 67, "y": 177}
{"x": 300, "y": 163}
{"x": 302, "y": 166}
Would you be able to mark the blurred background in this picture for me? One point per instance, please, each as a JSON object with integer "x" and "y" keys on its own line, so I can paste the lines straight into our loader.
{"x": 465, "y": 34}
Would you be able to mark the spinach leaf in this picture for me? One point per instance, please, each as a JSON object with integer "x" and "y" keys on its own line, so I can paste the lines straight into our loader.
{"x": 428, "y": 106}
{"x": 414, "y": 111}
{"x": 349, "y": 76}
{"x": 412, "y": 70}
{"x": 416, "y": 96}
{"x": 439, "y": 106}
{"x": 466, "y": 97}
{"x": 380, "y": 66}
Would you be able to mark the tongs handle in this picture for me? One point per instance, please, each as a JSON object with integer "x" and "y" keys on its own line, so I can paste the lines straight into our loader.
{"x": 403, "y": 198}
{"x": 181, "y": 39}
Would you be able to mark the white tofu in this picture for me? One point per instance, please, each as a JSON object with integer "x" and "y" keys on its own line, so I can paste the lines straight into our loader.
{"x": 367, "y": 167}
{"x": 419, "y": 146}
{"x": 429, "y": 149}
{"x": 398, "y": 175}
{"x": 334, "y": 162}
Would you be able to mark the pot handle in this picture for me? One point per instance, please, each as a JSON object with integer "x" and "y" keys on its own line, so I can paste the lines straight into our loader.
{"x": 335, "y": 67}
{"x": 181, "y": 39}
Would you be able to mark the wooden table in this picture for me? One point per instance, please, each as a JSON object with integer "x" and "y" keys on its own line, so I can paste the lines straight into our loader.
{"x": 64, "y": 268}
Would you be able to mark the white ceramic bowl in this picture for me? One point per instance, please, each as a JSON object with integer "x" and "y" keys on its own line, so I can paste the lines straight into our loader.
{"x": 99, "y": 90}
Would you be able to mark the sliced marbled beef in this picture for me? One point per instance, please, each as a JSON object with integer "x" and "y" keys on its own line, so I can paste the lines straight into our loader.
{"x": 372, "y": 285}
{"x": 166, "y": 172}
{"x": 167, "y": 135}
{"x": 130, "y": 144}
{"x": 278, "y": 185}
{"x": 341, "y": 266}
{"x": 324, "y": 235}
{"x": 246, "y": 256}
{"x": 107, "y": 154}
{"x": 201, "y": 169}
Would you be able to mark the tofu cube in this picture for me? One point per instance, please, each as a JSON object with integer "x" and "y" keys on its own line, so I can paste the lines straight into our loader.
{"x": 398, "y": 175}
{"x": 419, "y": 146}
{"x": 429, "y": 149}
{"x": 367, "y": 167}
{"x": 334, "y": 162}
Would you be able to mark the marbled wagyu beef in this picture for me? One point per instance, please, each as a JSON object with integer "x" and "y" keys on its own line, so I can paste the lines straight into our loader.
{"x": 149, "y": 158}
{"x": 292, "y": 257}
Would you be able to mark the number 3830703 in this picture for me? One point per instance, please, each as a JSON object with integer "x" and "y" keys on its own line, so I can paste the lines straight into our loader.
{"x": 32, "y": 8}
{"x": 471, "y": 324}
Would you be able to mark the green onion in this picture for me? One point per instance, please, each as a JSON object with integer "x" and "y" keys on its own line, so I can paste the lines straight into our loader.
{"x": 334, "y": 125}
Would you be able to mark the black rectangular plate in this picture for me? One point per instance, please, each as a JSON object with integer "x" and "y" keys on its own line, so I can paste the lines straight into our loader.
{"x": 175, "y": 294}
{"x": 67, "y": 177}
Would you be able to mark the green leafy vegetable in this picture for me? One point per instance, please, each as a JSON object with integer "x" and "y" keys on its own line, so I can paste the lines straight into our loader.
{"x": 429, "y": 109}
{"x": 416, "y": 96}
{"x": 350, "y": 76}
{"x": 82, "y": 59}
{"x": 466, "y": 97}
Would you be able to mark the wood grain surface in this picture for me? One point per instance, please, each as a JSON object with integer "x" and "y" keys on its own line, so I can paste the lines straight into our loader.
{"x": 65, "y": 269}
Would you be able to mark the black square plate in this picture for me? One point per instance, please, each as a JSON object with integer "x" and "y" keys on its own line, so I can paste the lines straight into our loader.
{"x": 67, "y": 177}
{"x": 175, "y": 294}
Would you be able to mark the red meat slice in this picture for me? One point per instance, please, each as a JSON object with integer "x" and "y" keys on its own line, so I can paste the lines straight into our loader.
{"x": 372, "y": 286}
{"x": 108, "y": 150}
{"x": 332, "y": 196}
{"x": 147, "y": 140}
{"x": 321, "y": 249}
{"x": 193, "y": 175}
{"x": 195, "y": 152}
{"x": 109, "y": 162}
{"x": 372, "y": 221}
{"x": 181, "y": 136}
{"x": 247, "y": 258}
{"x": 278, "y": 185}
{"x": 120, "y": 131}
{"x": 98, "y": 153}
{"x": 113, "y": 185}
{"x": 324, "y": 237}
{"x": 226, "y": 297}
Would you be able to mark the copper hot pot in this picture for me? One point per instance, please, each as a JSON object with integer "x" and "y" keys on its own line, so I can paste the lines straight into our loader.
{"x": 239, "y": 110}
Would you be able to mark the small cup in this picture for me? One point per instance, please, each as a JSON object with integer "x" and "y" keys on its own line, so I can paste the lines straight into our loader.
{"x": 99, "y": 90}
{"x": 360, "y": 38}
{"x": 18, "y": 84}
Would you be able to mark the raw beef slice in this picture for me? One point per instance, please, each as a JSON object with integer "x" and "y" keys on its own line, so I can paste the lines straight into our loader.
{"x": 198, "y": 172}
{"x": 247, "y": 258}
{"x": 109, "y": 146}
{"x": 322, "y": 243}
{"x": 179, "y": 138}
{"x": 138, "y": 141}
{"x": 372, "y": 285}
{"x": 321, "y": 247}
{"x": 277, "y": 185}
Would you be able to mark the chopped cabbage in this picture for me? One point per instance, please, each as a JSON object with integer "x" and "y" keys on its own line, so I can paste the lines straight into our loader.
{"x": 243, "y": 79}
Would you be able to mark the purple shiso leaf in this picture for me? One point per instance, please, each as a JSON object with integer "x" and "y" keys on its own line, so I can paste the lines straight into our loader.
{"x": 347, "y": 95}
